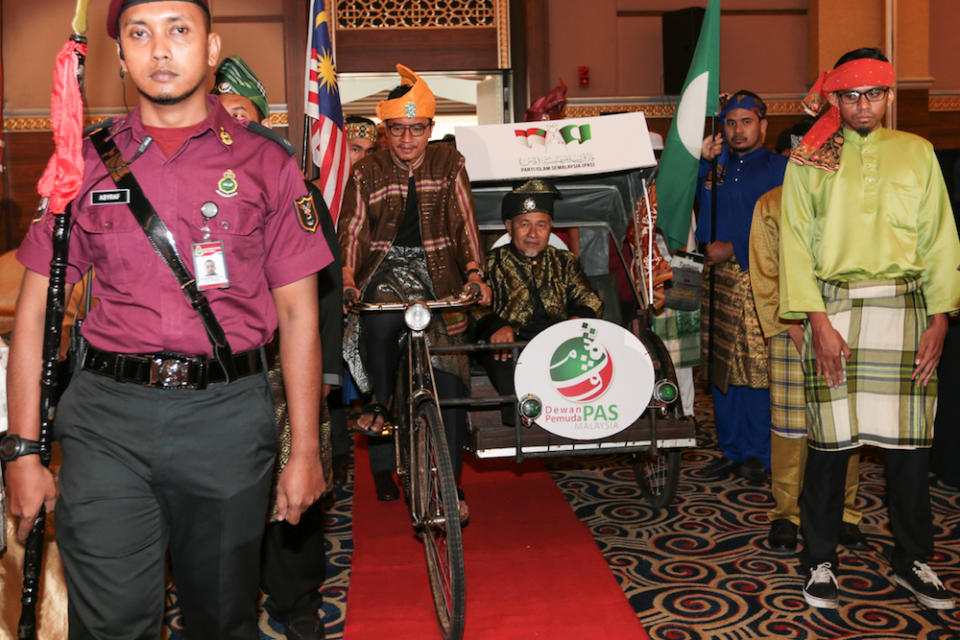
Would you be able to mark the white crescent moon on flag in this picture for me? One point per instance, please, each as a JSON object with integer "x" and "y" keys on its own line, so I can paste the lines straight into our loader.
{"x": 691, "y": 112}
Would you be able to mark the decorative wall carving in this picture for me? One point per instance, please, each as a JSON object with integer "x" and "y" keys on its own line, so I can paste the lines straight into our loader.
{"x": 42, "y": 123}
{"x": 417, "y": 14}
{"x": 590, "y": 110}
{"x": 666, "y": 109}
{"x": 16, "y": 124}
{"x": 944, "y": 103}
{"x": 941, "y": 103}
{"x": 503, "y": 34}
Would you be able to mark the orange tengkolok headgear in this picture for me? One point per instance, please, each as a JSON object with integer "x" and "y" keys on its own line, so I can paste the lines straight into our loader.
{"x": 419, "y": 102}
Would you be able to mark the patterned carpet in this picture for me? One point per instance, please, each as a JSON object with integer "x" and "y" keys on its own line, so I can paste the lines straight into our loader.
{"x": 700, "y": 568}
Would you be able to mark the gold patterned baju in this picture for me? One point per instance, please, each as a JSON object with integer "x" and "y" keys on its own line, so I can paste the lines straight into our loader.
{"x": 554, "y": 276}
{"x": 739, "y": 349}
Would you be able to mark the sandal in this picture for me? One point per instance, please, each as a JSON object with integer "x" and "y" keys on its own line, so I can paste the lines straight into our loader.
{"x": 463, "y": 508}
{"x": 377, "y": 410}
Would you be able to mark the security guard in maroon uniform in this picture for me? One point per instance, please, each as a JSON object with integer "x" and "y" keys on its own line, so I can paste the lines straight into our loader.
{"x": 179, "y": 462}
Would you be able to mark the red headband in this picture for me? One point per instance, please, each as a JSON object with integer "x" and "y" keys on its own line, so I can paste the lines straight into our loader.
{"x": 863, "y": 72}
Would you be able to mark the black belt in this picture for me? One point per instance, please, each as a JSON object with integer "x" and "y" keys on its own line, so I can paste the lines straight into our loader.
{"x": 168, "y": 370}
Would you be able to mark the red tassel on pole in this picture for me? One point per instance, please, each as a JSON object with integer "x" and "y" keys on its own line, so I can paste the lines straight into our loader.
{"x": 61, "y": 180}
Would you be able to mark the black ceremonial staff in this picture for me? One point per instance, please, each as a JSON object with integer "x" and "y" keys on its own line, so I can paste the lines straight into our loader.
{"x": 58, "y": 186}
{"x": 712, "y": 299}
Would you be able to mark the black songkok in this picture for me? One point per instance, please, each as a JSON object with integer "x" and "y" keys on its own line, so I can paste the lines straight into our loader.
{"x": 533, "y": 196}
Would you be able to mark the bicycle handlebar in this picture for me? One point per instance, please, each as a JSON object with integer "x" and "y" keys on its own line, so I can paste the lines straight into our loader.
{"x": 464, "y": 299}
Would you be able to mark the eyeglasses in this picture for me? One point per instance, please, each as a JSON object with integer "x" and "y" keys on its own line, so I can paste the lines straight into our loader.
{"x": 416, "y": 130}
{"x": 874, "y": 94}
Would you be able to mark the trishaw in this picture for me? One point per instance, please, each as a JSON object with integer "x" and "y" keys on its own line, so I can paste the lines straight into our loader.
{"x": 602, "y": 208}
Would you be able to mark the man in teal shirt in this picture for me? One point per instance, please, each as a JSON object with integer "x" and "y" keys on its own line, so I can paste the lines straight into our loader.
{"x": 869, "y": 256}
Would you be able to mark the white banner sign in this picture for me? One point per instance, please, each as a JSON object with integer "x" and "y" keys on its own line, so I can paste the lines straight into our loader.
{"x": 576, "y": 146}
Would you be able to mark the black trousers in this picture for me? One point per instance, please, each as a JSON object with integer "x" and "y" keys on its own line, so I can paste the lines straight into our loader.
{"x": 382, "y": 332}
{"x": 294, "y": 565}
{"x": 339, "y": 434}
{"x": 500, "y": 373}
{"x": 146, "y": 472}
{"x": 908, "y": 504}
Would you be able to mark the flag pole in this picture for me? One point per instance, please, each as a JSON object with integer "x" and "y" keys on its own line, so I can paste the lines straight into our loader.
{"x": 305, "y": 160}
{"x": 713, "y": 236}
{"x": 324, "y": 132}
{"x": 307, "y": 168}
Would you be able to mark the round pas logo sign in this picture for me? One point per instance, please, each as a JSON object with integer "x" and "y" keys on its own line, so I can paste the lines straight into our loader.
{"x": 581, "y": 368}
{"x": 584, "y": 379}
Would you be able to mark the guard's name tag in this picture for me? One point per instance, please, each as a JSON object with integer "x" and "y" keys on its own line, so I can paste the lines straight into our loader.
{"x": 210, "y": 266}
{"x": 113, "y": 196}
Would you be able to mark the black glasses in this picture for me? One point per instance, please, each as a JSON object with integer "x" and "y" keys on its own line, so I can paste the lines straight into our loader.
{"x": 416, "y": 130}
{"x": 874, "y": 94}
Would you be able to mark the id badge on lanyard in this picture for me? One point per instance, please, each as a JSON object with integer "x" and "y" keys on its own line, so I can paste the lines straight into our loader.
{"x": 209, "y": 265}
{"x": 209, "y": 262}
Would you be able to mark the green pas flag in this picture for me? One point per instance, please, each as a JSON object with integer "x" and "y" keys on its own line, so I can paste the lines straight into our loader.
{"x": 677, "y": 177}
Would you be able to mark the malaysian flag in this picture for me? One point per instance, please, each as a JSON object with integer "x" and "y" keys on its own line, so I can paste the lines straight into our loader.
{"x": 328, "y": 144}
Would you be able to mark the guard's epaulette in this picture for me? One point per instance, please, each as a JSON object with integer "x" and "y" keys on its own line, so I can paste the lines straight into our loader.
{"x": 93, "y": 128}
{"x": 270, "y": 134}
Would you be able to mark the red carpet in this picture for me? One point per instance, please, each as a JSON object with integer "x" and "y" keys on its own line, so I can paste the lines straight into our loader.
{"x": 533, "y": 570}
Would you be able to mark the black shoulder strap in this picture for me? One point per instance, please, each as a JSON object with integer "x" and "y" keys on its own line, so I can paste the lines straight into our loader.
{"x": 162, "y": 241}
{"x": 270, "y": 134}
{"x": 92, "y": 128}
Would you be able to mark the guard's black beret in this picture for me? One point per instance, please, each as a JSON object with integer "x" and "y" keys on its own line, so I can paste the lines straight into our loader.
{"x": 117, "y": 7}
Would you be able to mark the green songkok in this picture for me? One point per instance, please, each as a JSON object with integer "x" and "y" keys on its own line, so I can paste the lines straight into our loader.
{"x": 234, "y": 76}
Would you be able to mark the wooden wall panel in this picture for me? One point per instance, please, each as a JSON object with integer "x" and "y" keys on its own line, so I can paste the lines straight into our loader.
{"x": 26, "y": 155}
{"x": 295, "y": 23}
{"x": 763, "y": 51}
{"x": 944, "y": 18}
{"x": 912, "y": 111}
{"x": 256, "y": 43}
{"x": 419, "y": 49}
{"x": 942, "y": 128}
{"x": 640, "y": 59}
{"x": 530, "y": 53}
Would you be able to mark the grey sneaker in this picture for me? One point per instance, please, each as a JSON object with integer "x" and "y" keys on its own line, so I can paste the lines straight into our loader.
{"x": 923, "y": 582}
{"x": 820, "y": 589}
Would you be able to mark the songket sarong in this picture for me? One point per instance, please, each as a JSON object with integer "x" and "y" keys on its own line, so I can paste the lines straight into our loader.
{"x": 680, "y": 332}
{"x": 281, "y": 416}
{"x": 402, "y": 276}
{"x": 877, "y": 403}
{"x": 739, "y": 349}
{"x": 788, "y": 407}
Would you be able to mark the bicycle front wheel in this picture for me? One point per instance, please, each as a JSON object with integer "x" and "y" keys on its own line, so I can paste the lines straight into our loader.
{"x": 657, "y": 475}
{"x": 438, "y": 519}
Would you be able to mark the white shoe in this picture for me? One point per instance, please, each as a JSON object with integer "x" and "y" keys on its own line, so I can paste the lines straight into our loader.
{"x": 922, "y": 581}
{"x": 820, "y": 589}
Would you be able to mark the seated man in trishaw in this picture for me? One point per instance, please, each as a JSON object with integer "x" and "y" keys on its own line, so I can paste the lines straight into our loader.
{"x": 534, "y": 285}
